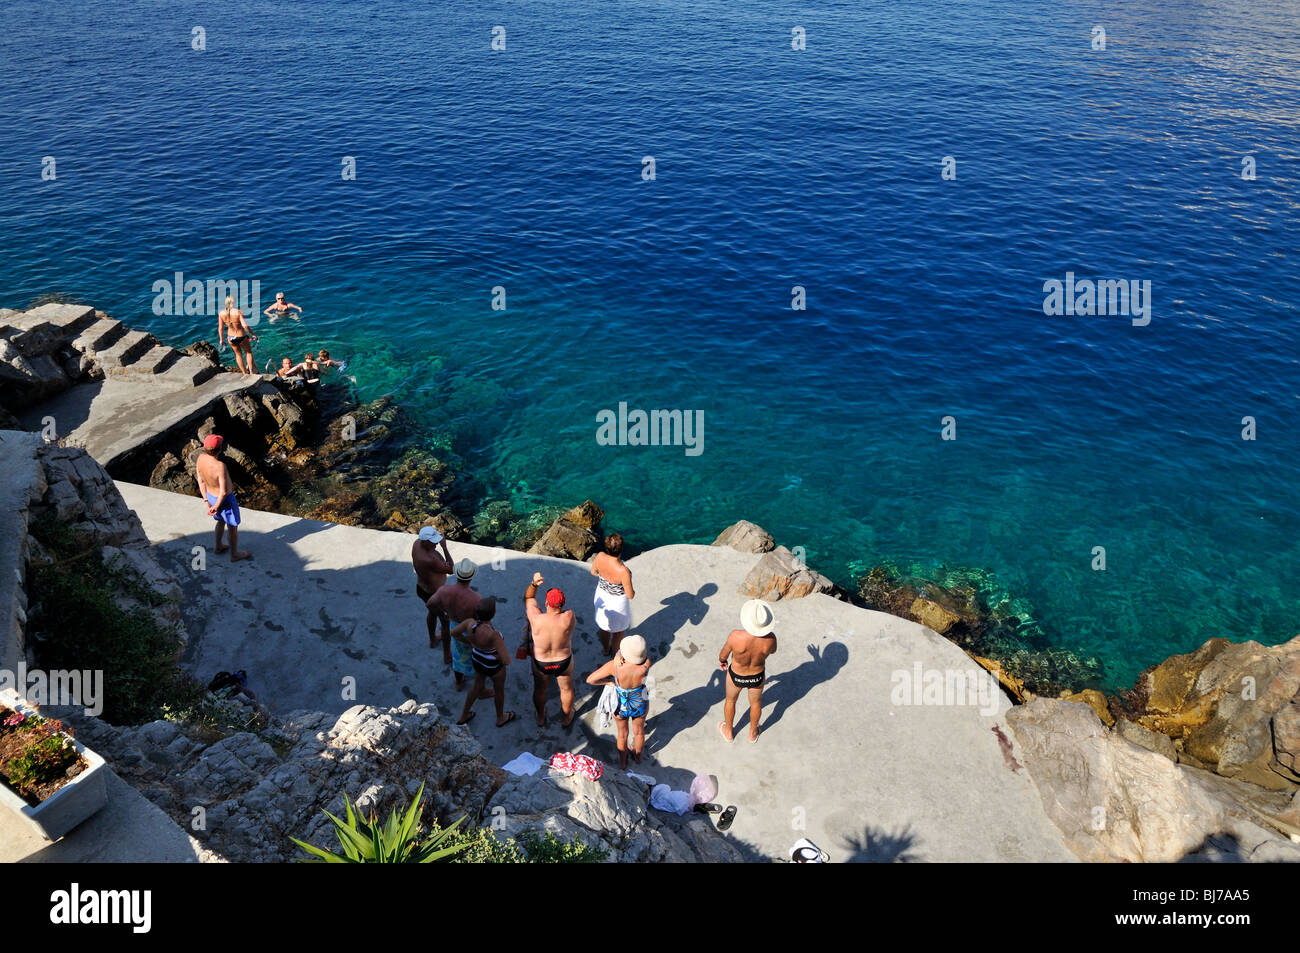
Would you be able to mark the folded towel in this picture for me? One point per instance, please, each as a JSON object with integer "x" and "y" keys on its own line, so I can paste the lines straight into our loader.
{"x": 524, "y": 764}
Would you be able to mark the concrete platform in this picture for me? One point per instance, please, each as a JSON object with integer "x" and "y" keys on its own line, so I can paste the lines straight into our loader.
{"x": 325, "y": 616}
{"x": 115, "y": 417}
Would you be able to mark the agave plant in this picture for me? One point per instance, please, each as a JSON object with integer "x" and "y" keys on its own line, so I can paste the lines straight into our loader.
{"x": 396, "y": 841}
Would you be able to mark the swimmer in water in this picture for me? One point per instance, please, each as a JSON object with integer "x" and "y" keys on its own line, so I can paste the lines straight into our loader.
{"x": 279, "y": 308}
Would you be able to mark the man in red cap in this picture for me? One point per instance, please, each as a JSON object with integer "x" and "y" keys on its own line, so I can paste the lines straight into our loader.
{"x": 552, "y": 649}
{"x": 218, "y": 493}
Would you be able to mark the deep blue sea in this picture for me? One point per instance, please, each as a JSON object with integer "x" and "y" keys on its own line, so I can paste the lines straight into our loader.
{"x": 523, "y": 168}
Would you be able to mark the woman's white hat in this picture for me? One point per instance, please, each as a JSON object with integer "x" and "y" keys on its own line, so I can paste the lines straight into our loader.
{"x": 757, "y": 618}
{"x": 633, "y": 649}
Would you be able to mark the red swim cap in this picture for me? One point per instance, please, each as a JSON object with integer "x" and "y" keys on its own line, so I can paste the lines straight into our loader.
{"x": 212, "y": 441}
{"x": 555, "y": 598}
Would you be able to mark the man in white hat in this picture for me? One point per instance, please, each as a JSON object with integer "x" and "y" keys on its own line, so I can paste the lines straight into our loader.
{"x": 431, "y": 568}
{"x": 457, "y": 602}
{"x": 744, "y": 659}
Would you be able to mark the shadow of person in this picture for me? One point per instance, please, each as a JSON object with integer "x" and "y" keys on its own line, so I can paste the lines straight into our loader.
{"x": 785, "y": 688}
{"x": 879, "y": 846}
{"x": 684, "y": 711}
{"x": 660, "y": 628}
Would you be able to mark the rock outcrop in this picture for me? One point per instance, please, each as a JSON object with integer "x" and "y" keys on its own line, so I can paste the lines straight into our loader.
{"x": 573, "y": 535}
{"x": 613, "y": 813}
{"x": 746, "y": 537}
{"x": 257, "y": 788}
{"x": 780, "y": 574}
{"x": 75, "y": 491}
{"x": 1230, "y": 707}
{"x": 1116, "y": 801}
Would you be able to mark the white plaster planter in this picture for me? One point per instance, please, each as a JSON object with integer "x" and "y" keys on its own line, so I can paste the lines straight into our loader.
{"x": 69, "y": 805}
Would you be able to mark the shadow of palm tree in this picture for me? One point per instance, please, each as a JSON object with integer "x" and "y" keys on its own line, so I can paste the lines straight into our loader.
{"x": 879, "y": 846}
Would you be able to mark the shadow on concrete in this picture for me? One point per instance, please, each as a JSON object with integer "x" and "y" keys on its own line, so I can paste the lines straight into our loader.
{"x": 879, "y": 846}
{"x": 785, "y": 688}
{"x": 660, "y": 628}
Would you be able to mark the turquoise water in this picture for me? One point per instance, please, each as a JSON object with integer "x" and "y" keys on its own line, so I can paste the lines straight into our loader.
{"x": 775, "y": 168}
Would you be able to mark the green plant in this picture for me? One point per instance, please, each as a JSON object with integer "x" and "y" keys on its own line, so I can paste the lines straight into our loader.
{"x": 397, "y": 841}
{"x": 549, "y": 849}
{"x": 38, "y": 752}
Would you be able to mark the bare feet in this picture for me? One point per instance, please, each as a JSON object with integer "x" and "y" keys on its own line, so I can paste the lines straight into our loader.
{"x": 510, "y": 716}
{"x": 753, "y": 735}
{"x": 243, "y": 554}
{"x": 725, "y": 729}
{"x": 221, "y": 549}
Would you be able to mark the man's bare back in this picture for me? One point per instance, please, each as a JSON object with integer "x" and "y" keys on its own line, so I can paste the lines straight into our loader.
{"x": 552, "y": 635}
{"x": 458, "y": 601}
{"x": 749, "y": 653}
{"x": 431, "y": 566}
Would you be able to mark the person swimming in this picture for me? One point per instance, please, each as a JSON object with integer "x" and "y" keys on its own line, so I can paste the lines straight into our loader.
{"x": 279, "y": 308}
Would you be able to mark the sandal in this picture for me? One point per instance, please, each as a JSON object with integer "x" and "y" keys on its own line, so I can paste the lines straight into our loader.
{"x": 510, "y": 716}
{"x": 472, "y": 714}
{"x": 728, "y": 816}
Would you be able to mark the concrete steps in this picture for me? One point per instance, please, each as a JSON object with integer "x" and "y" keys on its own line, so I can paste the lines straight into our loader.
{"x": 99, "y": 336}
{"x": 126, "y": 351}
{"x": 188, "y": 371}
{"x": 155, "y": 361}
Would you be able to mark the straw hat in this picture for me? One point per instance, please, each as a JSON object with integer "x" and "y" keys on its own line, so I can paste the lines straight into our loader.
{"x": 465, "y": 569}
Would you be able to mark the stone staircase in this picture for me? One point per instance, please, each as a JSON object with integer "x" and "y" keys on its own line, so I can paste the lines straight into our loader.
{"x": 73, "y": 340}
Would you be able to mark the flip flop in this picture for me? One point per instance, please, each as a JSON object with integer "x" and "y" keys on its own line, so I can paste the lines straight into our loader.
{"x": 510, "y": 716}
{"x": 729, "y": 815}
{"x": 723, "y": 733}
{"x": 708, "y": 808}
{"x": 472, "y": 714}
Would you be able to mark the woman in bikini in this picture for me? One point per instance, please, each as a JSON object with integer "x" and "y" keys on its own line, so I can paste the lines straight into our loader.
{"x": 232, "y": 320}
{"x": 613, "y": 593}
{"x": 628, "y": 671}
{"x": 488, "y": 655}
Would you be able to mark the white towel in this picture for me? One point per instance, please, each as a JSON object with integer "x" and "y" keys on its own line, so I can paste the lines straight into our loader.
{"x": 524, "y": 764}
{"x": 607, "y": 706}
{"x": 666, "y": 799}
